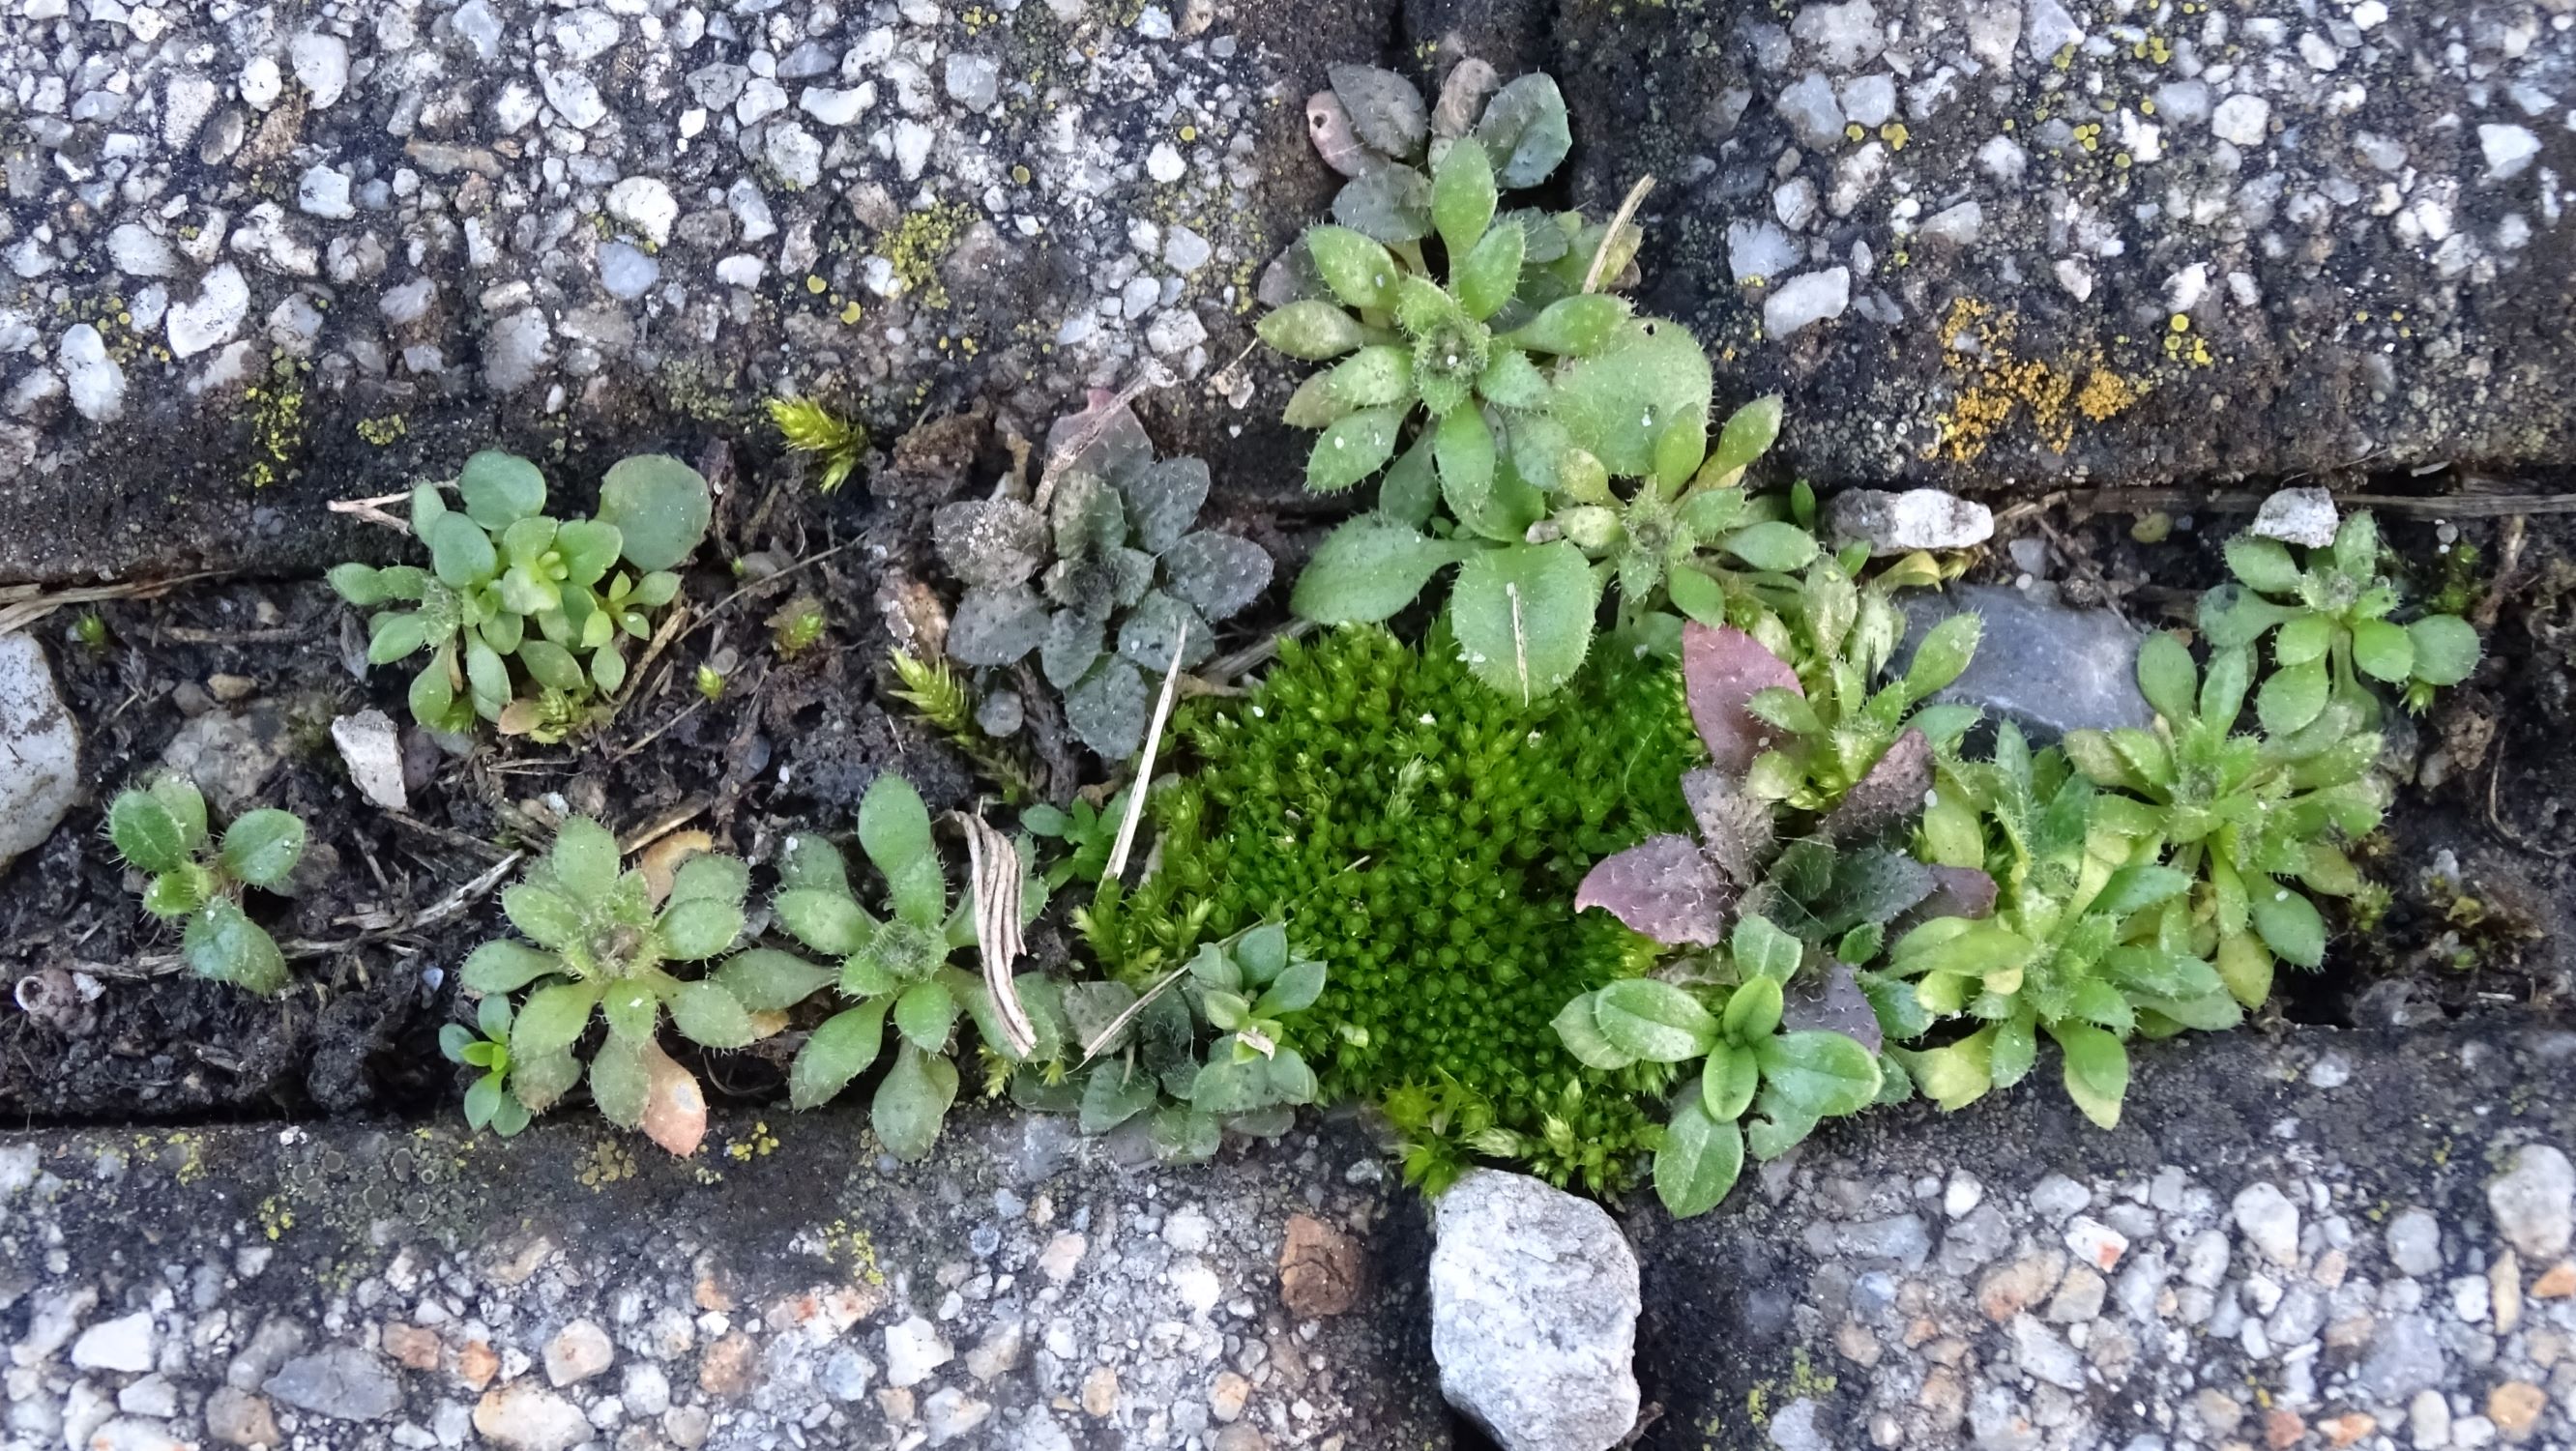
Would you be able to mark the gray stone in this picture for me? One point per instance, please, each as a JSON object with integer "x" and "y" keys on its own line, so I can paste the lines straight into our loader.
{"x": 2415, "y": 1243}
{"x": 2046, "y": 666}
{"x": 627, "y": 272}
{"x": 1898, "y": 523}
{"x": 341, "y": 1382}
{"x": 1844, "y": 36}
{"x": 2242, "y": 119}
{"x": 321, "y": 64}
{"x": 2267, "y": 1219}
{"x": 2534, "y": 1202}
{"x": 1805, "y": 300}
{"x": 124, "y": 1343}
{"x": 1794, "y": 1427}
{"x": 914, "y": 1348}
{"x": 231, "y": 757}
{"x": 1812, "y": 109}
{"x": 39, "y": 745}
{"x": 2045, "y": 1354}
{"x": 579, "y": 1351}
{"x": 2303, "y": 516}
{"x": 524, "y": 1416}
{"x": 1534, "y": 1301}
{"x": 973, "y": 81}
{"x": 2405, "y": 1357}
{"x": 516, "y": 349}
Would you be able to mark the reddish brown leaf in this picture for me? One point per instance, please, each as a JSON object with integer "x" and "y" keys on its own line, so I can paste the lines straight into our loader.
{"x": 1721, "y": 670}
{"x": 1958, "y": 892}
{"x": 1664, "y": 887}
{"x": 675, "y": 1108}
{"x": 1330, "y": 128}
{"x": 1734, "y": 829}
{"x": 1834, "y": 1003}
{"x": 1891, "y": 792}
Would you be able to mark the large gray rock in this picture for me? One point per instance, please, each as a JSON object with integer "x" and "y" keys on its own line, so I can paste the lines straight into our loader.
{"x": 2092, "y": 243}
{"x": 2049, "y": 667}
{"x": 1534, "y": 1314}
{"x": 39, "y": 748}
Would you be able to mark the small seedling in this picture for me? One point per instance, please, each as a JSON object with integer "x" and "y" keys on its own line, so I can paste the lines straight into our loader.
{"x": 492, "y": 1100}
{"x": 893, "y": 967}
{"x": 811, "y": 428}
{"x": 796, "y": 626}
{"x": 161, "y": 830}
{"x": 1122, "y": 580}
{"x": 91, "y": 630}
{"x": 602, "y": 947}
{"x": 711, "y": 683}
{"x": 1238, "y": 996}
{"x": 2332, "y": 617}
{"x": 507, "y": 582}
{"x": 1087, "y": 832}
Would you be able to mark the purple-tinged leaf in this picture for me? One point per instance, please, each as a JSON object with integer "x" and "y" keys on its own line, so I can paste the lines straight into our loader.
{"x": 1832, "y": 1002}
{"x": 1735, "y": 829}
{"x": 1891, "y": 792}
{"x": 1664, "y": 887}
{"x": 1958, "y": 892}
{"x": 1721, "y": 670}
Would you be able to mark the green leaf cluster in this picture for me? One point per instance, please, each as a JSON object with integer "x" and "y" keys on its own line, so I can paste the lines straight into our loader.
{"x": 893, "y": 968}
{"x": 490, "y": 1101}
{"x": 1424, "y": 836}
{"x": 1087, "y": 834}
{"x": 2091, "y": 940}
{"x": 508, "y": 583}
{"x": 1558, "y": 445}
{"x": 596, "y": 944}
{"x": 160, "y": 830}
{"x": 1106, "y": 583}
{"x": 2330, "y": 619}
{"x": 2253, "y": 819}
{"x": 1207, "y": 1054}
{"x": 1791, "y": 1078}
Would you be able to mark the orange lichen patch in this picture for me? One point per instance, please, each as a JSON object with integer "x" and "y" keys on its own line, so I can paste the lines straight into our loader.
{"x": 1996, "y": 386}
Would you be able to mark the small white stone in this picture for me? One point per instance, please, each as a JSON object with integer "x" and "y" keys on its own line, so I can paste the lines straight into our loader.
{"x": 914, "y": 1349}
{"x": 2319, "y": 52}
{"x": 1164, "y": 163}
{"x": 321, "y": 66}
{"x": 1845, "y": 37}
{"x": 1757, "y": 250}
{"x": 122, "y": 1344}
{"x": 1796, "y": 203}
{"x": 371, "y": 748}
{"x": 834, "y": 107}
{"x": 911, "y": 148}
{"x": 1962, "y": 1194}
{"x": 2267, "y": 1218}
{"x": 973, "y": 81}
{"x": 795, "y": 154}
{"x": 222, "y": 302}
{"x": 262, "y": 83}
{"x": 323, "y": 191}
{"x": 761, "y": 98}
{"x": 2303, "y": 516}
{"x": 645, "y": 203}
{"x": 137, "y": 252}
{"x": 2075, "y": 277}
{"x": 1813, "y": 111}
{"x": 97, "y": 381}
{"x": 2369, "y": 15}
{"x": 1869, "y": 100}
{"x": 2509, "y": 150}
{"x": 574, "y": 98}
{"x": 2003, "y": 159}
{"x": 740, "y": 270}
{"x": 1805, "y": 300}
{"x": 2242, "y": 119}
{"x": 1960, "y": 226}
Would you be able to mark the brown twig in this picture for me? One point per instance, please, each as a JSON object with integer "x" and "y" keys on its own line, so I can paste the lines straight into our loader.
{"x": 1610, "y": 236}
{"x": 993, "y": 868}
{"x": 1225, "y": 668}
{"x": 371, "y": 509}
{"x": 24, "y": 605}
{"x": 708, "y": 616}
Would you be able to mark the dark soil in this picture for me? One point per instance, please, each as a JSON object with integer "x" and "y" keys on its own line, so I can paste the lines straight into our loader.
{"x": 110, "y": 1028}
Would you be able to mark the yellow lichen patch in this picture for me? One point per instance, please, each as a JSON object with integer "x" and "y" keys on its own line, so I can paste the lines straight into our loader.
{"x": 382, "y": 431}
{"x": 277, "y": 422}
{"x": 1996, "y": 386}
{"x": 760, "y": 1144}
{"x": 851, "y": 1249}
{"x": 608, "y": 1161}
{"x": 917, "y": 244}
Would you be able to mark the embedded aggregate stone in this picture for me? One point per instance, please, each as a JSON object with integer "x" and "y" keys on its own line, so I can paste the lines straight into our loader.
{"x": 1768, "y": 1311}
{"x": 2006, "y": 244}
{"x": 344, "y": 1287}
{"x": 2048, "y": 666}
{"x": 40, "y": 745}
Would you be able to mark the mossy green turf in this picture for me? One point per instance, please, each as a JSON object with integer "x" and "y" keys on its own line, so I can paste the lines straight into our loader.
{"x": 1424, "y": 836}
